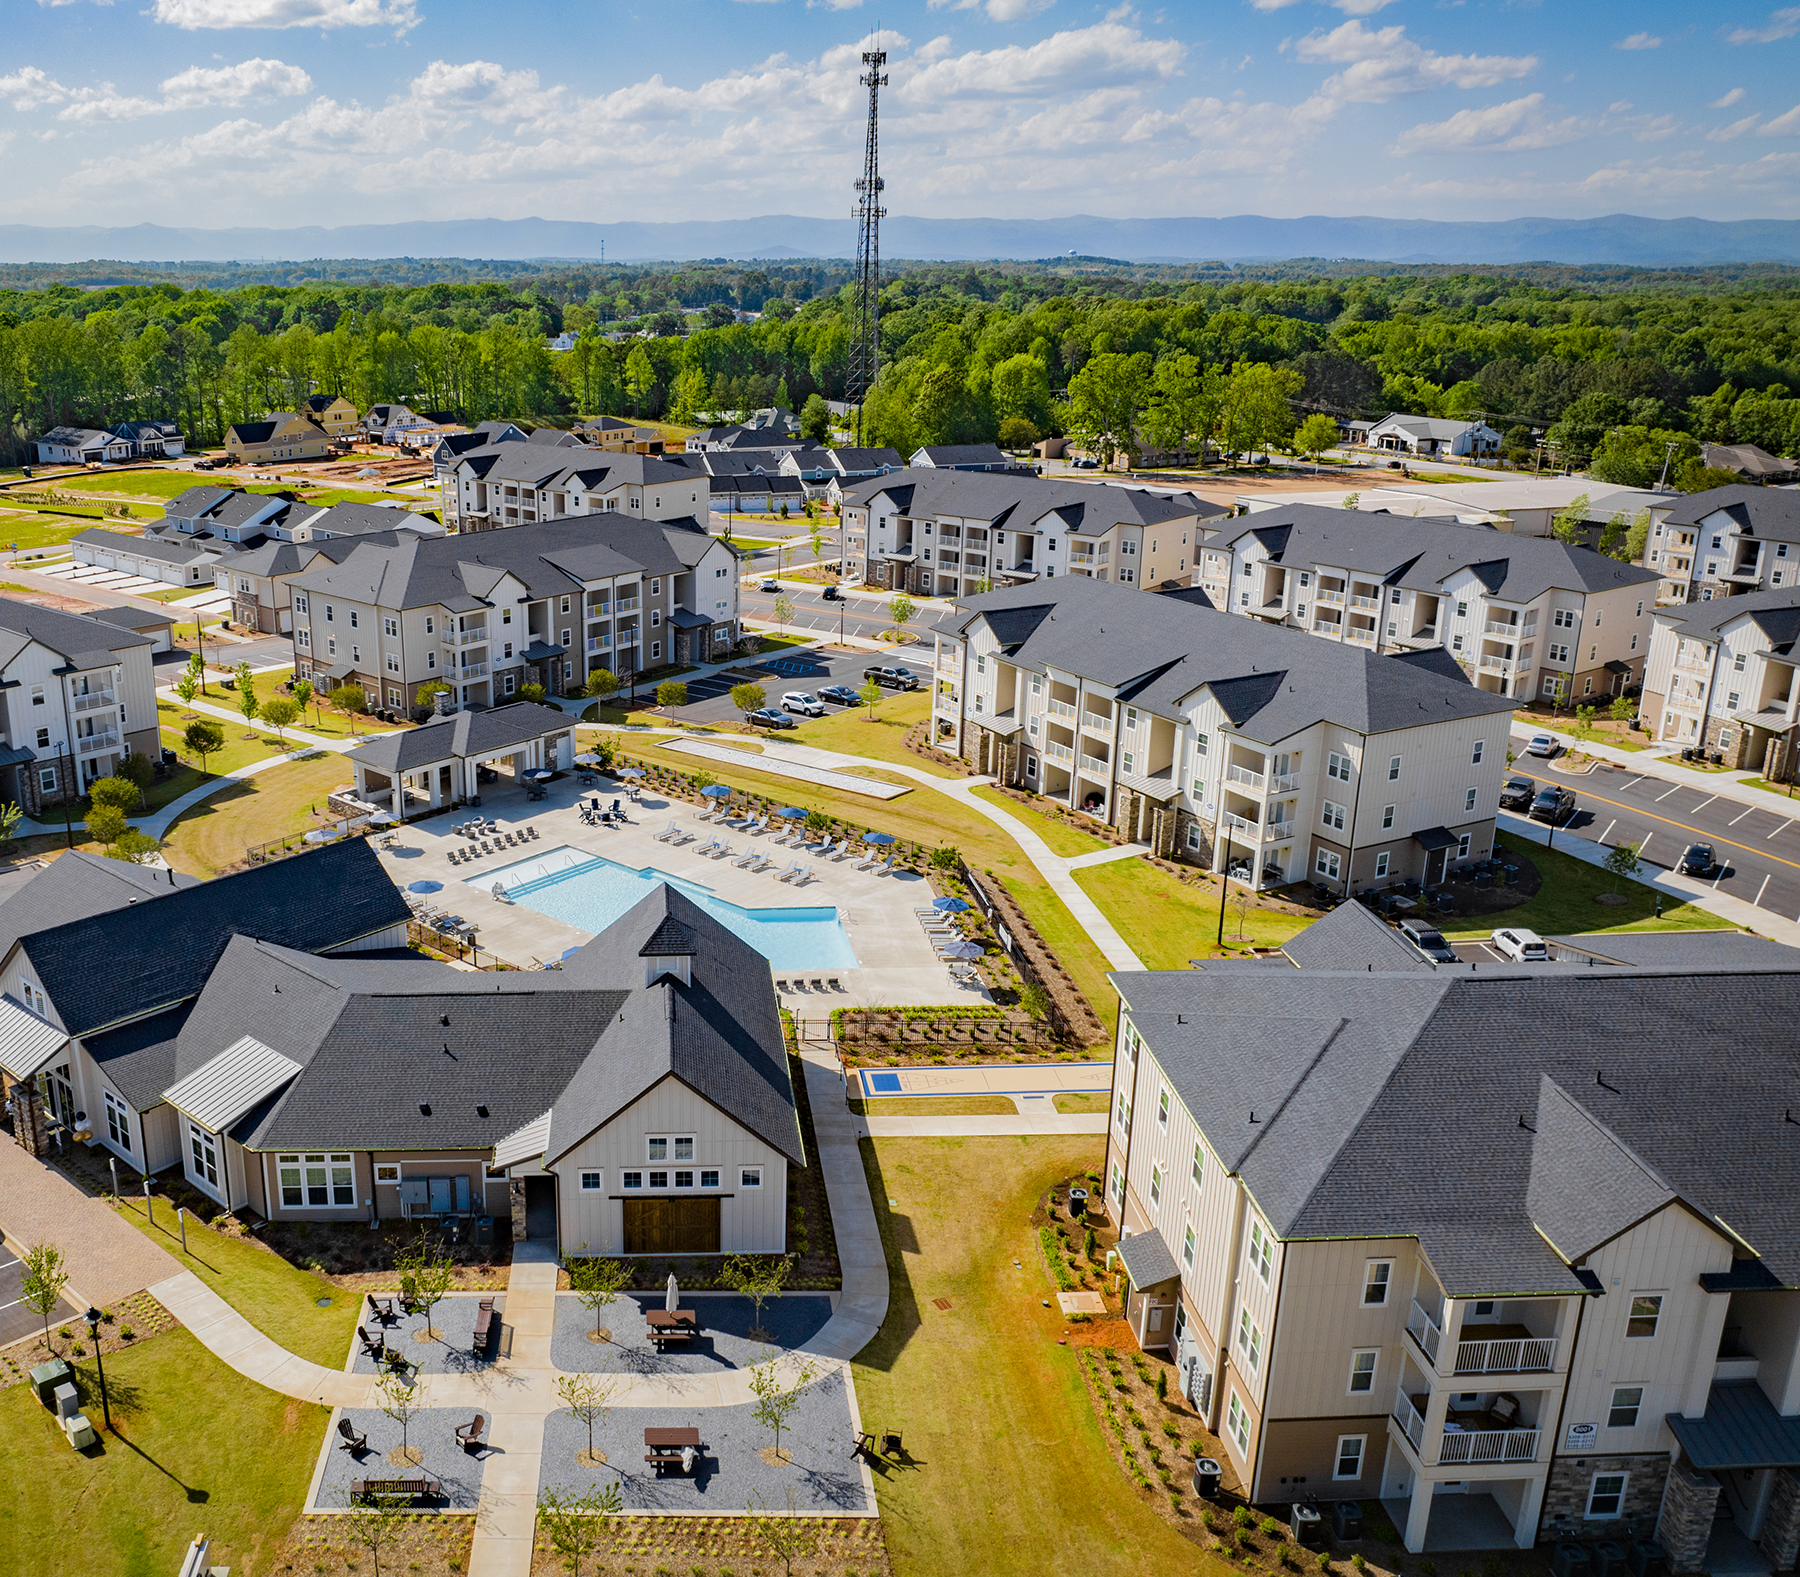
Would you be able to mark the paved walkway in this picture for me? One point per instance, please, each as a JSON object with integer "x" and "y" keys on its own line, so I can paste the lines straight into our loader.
{"x": 106, "y": 1258}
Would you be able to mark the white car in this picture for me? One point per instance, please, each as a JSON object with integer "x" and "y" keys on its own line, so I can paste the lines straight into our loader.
{"x": 1542, "y": 745}
{"x": 805, "y": 704}
{"x": 1521, "y": 946}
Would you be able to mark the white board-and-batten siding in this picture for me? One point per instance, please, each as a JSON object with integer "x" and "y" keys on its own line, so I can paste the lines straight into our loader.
{"x": 751, "y": 1221}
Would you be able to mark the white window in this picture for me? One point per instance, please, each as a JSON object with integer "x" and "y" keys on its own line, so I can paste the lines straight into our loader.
{"x": 1337, "y": 766}
{"x": 1456, "y": 643}
{"x": 1200, "y": 744}
{"x": 1462, "y": 610}
{"x": 1724, "y": 738}
{"x": 393, "y": 663}
{"x": 1187, "y": 1247}
{"x": 118, "y": 1121}
{"x": 1362, "y": 1370}
{"x": 300, "y": 605}
{"x": 1122, "y": 1113}
{"x": 1156, "y": 1185}
{"x": 1199, "y": 1162}
{"x": 203, "y": 1158}
{"x": 1387, "y": 818}
{"x": 1480, "y": 746}
{"x": 1376, "y": 1276}
{"x": 1162, "y": 1109}
{"x": 1327, "y": 864}
{"x": 390, "y": 626}
{"x": 431, "y": 662}
{"x": 565, "y": 604}
{"x": 1350, "y": 1450}
{"x": 316, "y": 1182}
{"x": 631, "y": 1179}
{"x": 1469, "y": 799}
{"x": 387, "y": 1172}
{"x": 1623, "y": 1413}
{"x": 1237, "y": 1425}
{"x": 354, "y": 624}
{"x": 1381, "y": 863}
{"x": 47, "y": 780}
{"x": 1249, "y": 1341}
{"x": 1606, "y": 1496}
{"x": 750, "y": 1177}
{"x": 1332, "y": 815}
{"x": 1118, "y": 1185}
{"x": 1563, "y": 619}
{"x": 1259, "y": 1254}
{"x": 590, "y": 1182}
{"x": 1393, "y": 769}
{"x": 1645, "y": 1315}
{"x": 1462, "y": 847}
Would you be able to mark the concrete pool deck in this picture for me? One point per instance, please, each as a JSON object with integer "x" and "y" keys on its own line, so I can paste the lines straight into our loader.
{"x": 895, "y": 962}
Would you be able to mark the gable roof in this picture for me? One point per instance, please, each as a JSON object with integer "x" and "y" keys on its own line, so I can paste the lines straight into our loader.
{"x": 1775, "y": 612}
{"x": 1766, "y": 512}
{"x": 983, "y": 495}
{"x": 476, "y": 734}
{"x": 81, "y": 641}
{"x": 75, "y": 885}
{"x": 1352, "y": 936}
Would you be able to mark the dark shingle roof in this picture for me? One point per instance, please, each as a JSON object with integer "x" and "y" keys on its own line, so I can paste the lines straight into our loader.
{"x": 1767, "y": 512}
{"x": 1147, "y": 1258}
{"x": 75, "y": 885}
{"x": 80, "y": 640}
{"x": 138, "y": 1059}
{"x": 1353, "y": 937}
{"x": 1776, "y": 613}
{"x": 980, "y": 495}
{"x": 476, "y": 734}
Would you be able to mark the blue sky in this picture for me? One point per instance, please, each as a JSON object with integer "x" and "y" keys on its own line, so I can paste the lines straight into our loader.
{"x": 283, "y": 112}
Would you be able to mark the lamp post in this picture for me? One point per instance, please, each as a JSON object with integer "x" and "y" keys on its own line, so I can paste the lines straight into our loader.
{"x": 93, "y": 1324}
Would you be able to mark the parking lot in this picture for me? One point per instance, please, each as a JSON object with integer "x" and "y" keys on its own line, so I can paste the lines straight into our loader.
{"x": 709, "y": 699}
{"x": 17, "y": 1322}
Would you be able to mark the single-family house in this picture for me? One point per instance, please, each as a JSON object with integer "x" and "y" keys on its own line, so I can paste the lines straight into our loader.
{"x": 1751, "y": 463}
{"x": 1427, "y": 436}
{"x": 964, "y": 457}
{"x": 281, "y": 435}
{"x": 80, "y": 446}
{"x": 384, "y": 424}
{"x": 333, "y": 414}
{"x": 619, "y": 437}
{"x": 152, "y": 440}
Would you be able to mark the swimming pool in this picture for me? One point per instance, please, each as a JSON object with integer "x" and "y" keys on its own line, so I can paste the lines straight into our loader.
{"x": 589, "y": 892}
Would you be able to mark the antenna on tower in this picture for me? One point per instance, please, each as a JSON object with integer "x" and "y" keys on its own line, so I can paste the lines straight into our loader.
{"x": 865, "y": 328}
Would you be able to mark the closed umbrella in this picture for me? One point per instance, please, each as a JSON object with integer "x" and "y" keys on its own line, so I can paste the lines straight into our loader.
{"x": 949, "y": 905}
{"x": 881, "y": 839}
{"x": 672, "y": 1298}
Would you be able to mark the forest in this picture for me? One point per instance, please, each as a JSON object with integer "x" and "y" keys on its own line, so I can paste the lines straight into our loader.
{"x": 1621, "y": 370}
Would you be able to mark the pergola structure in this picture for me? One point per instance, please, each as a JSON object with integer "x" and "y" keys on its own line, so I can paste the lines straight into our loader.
{"x": 438, "y": 762}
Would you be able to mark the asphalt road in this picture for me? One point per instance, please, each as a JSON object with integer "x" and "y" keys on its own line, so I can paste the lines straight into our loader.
{"x": 813, "y": 615}
{"x": 1759, "y": 850}
{"x": 709, "y": 699}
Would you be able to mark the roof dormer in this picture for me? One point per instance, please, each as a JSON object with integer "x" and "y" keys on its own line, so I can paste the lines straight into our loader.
{"x": 670, "y": 951}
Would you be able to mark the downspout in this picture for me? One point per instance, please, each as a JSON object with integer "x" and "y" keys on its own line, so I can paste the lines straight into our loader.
{"x": 1228, "y": 1307}
{"x": 1355, "y": 810}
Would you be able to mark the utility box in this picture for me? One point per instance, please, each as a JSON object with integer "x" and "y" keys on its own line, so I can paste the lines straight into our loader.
{"x": 47, "y": 1377}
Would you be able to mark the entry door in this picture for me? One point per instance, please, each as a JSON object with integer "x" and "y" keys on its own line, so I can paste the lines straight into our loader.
{"x": 672, "y": 1226}
{"x": 58, "y": 1094}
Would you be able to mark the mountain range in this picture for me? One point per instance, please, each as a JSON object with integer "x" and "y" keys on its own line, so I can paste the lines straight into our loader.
{"x": 1615, "y": 238}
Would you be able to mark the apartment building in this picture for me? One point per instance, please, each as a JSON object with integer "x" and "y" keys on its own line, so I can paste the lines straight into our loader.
{"x": 76, "y": 695}
{"x": 1721, "y": 679}
{"x": 1455, "y": 1240}
{"x": 949, "y": 533}
{"x": 512, "y": 484}
{"x": 1726, "y": 542}
{"x": 542, "y": 603}
{"x": 1216, "y": 738}
{"x": 1523, "y": 616}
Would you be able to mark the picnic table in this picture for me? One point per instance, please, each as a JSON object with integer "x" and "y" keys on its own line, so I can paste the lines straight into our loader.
{"x": 663, "y": 1447}
{"x": 672, "y": 1325}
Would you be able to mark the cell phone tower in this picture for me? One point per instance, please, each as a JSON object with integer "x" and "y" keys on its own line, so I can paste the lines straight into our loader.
{"x": 865, "y": 326}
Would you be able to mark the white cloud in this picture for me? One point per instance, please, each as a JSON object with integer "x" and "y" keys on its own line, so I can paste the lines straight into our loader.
{"x": 1639, "y": 41}
{"x": 1781, "y": 24}
{"x": 832, "y": 5}
{"x": 1735, "y": 130}
{"x": 1006, "y": 10}
{"x": 1500, "y": 128}
{"x": 1382, "y": 65}
{"x": 1348, "y": 7}
{"x": 1782, "y": 125}
{"x": 196, "y": 88}
{"x": 195, "y": 14}
{"x": 1735, "y": 96}
{"x": 1618, "y": 107}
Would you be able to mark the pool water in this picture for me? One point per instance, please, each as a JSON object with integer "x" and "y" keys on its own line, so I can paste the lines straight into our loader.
{"x": 589, "y": 892}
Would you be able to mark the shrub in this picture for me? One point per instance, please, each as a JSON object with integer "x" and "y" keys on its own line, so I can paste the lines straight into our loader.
{"x": 1244, "y": 1517}
{"x": 1324, "y": 1562}
{"x": 1358, "y": 1562}
{"x": 1271, "y": 1527}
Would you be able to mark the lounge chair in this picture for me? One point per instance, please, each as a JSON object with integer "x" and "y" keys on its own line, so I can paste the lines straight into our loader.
{"x": 749, "y": 857}
{"x": 708, "y": 846}
{"x": 531, "y": 832}
{"x": 382, "y": 1309}
{"x": 781, "y": 985}
{"x": 868, "y": 861}
{"x": 835, "y": 983}
{"x": 667, "y": 833}
{"x": 803, "y": 876}
{"x": 757, "y": 861}
{"x": 705, "y": 812}
{"x": 792, "y": 869}
{"x": 818, "y": 984}
{"x": 886, "y": 868}
{"x": 725, "y": 849}
{"x": 351, "y": 1438}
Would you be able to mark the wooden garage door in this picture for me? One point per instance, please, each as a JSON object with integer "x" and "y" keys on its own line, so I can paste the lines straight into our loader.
{"x": 672, "y": 1226}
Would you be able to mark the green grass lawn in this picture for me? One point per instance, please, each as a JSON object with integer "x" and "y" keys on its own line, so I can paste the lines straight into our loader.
{"x": 934, "y": 1106}
{"x": 1565, "y": 903}
{"x": 148, "y": 483}
{"x": 238, "y": 751}
{"x": 985, "y": 1383}
{"x": 858, "y": 732}
{"x": 1062, "y": 838}
{"x": 1079, "y": 1101}
{"x": 1166, "y": 922}
{"x": 213, "y": 835}
{"x": 36, "y": 529}
{"x": 1786, "y": 789}
{"x": 279, "y": 1299}
{"x": 198, "y": 1448}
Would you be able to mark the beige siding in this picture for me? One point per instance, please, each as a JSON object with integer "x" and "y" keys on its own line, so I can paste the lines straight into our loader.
{"x": 1323, "y": 1320}
{"x": 1665, "y": 1254}
{"x": 752, "y": 1221}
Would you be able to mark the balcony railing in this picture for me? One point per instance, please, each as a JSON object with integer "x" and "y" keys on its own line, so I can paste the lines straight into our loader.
{"x": 1365, "y": 604}
{"x": 1497, "y": 665}
{"x": 1411, "y": 1424}
{"x": 1425, "y": 1331}
{"x": 1498, "y": 627}
{"x": 474, "y": 671}
{"x": 1359, "y": 637}
{"x": 1058, "y": 752}
{"x": 1095, "y": 765}
{"x": 93, "y": 700}
{"x": 1506, "y": 1355}
{"x": 1285, "y": 785}
{"x": 1243, "y": 824}
{"x": 89, "y": 743}
{"x": 1081, "y": 558}
{"x": 599, "y": 643}
{"x": 1693, "y": 665}
{"x": 1237, "y": 774}
{"x": 1099, "y": 724}
{"x": 599, "y": 610}
{"x": 626, "y": 604}
{"x": 1329, "y": 596}
{"x": 1488, "y": 1445}
{"x": 1062, "y": 709}
{"x": 1330, "y": 626}
{"x": 456, "y": 638}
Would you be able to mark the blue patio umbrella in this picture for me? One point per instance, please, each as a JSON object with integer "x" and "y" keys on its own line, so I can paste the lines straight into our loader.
{"x": 791, "y": 813}
{"x": 717, "y": 791}
{"x": 949, "y": 905}
{"x": 962, "y": 950}
{"x": 426, "y": 887}
{"x": 881, "y": 838}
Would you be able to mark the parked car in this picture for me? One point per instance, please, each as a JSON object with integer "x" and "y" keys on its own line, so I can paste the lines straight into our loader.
{"x": 832, "y": 594}
{"x": 1084, "y": 465}
{"x": 1554, "y": 805}
{"x": 806, "y": 705}
{"x": 1699, "y": 860}
{"x": 1542, "y": 745}
{"x": 768, "y": 586}
{"x": 842, "y": 694}
{"x": 1428, "y": 939}
{"x": 1521, "y": 946}
{"x": 895, "y": 678}
{"x": 768, "y": 717}
{"x": 1517, "y": 794}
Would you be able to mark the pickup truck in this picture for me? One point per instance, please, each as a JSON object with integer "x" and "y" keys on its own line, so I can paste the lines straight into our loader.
{"x": 895, "y": 678}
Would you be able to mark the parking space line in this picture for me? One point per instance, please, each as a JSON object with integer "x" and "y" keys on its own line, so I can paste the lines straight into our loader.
{"x": 1646, "y": 843}
{"x": 1719, "y": 878}
{"x": 1740, "y": 816}
{"x": 1635, "y": 781}
{"x": 1703, "y": 804}
{"x": 1609, "y": 827}
{"x": 1671, "y": 822}
{"x": 1782, "y": 828}
{"x": 1762, "y": 889}
{"x": 1666, "y": 793}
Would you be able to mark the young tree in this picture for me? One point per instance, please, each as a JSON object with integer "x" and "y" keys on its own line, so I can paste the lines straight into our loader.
{"x": 784, "y": 610}
{"x": 397, "y": 1393}
{"x": 870, "y": 695}
{"x": 1352, "y": 500}
{"x": 671, "y": 692}
{"x": 1623, "y": 709}
{"x": 777, "y": 1397}
{"x": 574, "y": 1523}
{"x": 597, "y": 1283}
{"x": 134, "y": 846}
{"x": 1315, "y": 435}
{"x": 1018, "y": 434}
{"x": 757, "y": 1277}
{"x": 901, "y": 610}
{"x": 196, "y": 665}
{"x": 106, "y": 824}
{"x": 1036, "y": 1002}
{"x": 1584, "y": 725}
{"x": 378, "y": 1523}
{"x": 302, "y": 692}
{"x": 815, "y": 418}
{"x": 138, "y": 770}
{"x": 432, "y": 1271}
{"x": 348, "y": 701}
{"x": 602, "y": 684}
{"x": 1569, "y": 525}
{"x": 115, "y": 792}
{"x": 1637, "y": 538}
{"x": 280, "y": 712}
{"x": 531, "y": 692}
{"x": 10, "y": 817}
{"x": 788, "y": 1535}
{"x": 588, "y": 1398}
{"x": 1622, "y": 860}
{"x": 749, "y": 697}
{"x": 187, "y": 685}
{"x": 247, "y": 701}
{"x": 203, "y": 736}
{"x": 43, "y": 1283}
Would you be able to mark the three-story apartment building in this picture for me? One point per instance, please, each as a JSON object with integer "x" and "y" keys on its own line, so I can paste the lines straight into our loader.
{"x": 544, "y": 603}
{"x": 1721, "y": 678}
{"x": 1528, "y": 617}
{"x": 1262, "y": 752}
{"x": 1394, "y": 1261}
{"x": 514, "y": 484}
{"x": 949, "y": 533}
{"x": 1726, "y": 542}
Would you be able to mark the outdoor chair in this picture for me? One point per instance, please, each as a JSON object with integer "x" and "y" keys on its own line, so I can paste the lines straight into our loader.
{"x": 781, "y": 985}
{"x": 1505, "y": 1408}
{"x": 818, "y": 983}
{"x": 373, "y": 1346}
{"x": 470, "y": 1433}
{"x": 803, "y": 876}
{"x": 667, "y": 833}
{"x": 868, "y": 861}
{"x": 835, "y": 983}
{"x": 382, "y": 1309}
{"x": 887, "y": 867}
{"x": 725, "y": 849}
{"x": 890, "y": 1444}
{"x": 531, "y": 832}
{"x": 792, "y": 869}
{"x": 351, "y": 1438}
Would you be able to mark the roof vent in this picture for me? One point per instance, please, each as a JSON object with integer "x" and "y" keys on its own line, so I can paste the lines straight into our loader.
{"x": 424, "y": 1108}
{"x": 445, "y": 1019}
{"x": 481, "y": 1111}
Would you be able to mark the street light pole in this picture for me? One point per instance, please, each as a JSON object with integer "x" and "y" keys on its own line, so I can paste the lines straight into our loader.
{"x": 93, "y": 1324}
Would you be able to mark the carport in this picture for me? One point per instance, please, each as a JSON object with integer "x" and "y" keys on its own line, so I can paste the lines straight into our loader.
{"x": 438, "y": 763}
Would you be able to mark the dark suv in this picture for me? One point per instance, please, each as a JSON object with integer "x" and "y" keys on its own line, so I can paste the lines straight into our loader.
{"x": 1428, "y": 939}
{"x": 1516, "y": 794}
{"x": 1554, "y": 805}
{"x": 895, "y": 678}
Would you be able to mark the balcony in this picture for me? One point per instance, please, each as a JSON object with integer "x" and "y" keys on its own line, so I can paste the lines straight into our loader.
{"x": 1325, "y": 626}
{"x": 1693, "y": 665}
{"x": 1094, "y": 765}
{"x": 1366, "y": 604}
{"x": 1329, "y": 596}
{"x": 1506, "y": 632}
{"x": 1497, "y": 665}
{"x": 1425, "y": 1331}
{"x": 473, "y": 671}
{"x": 1515, "y": 1352}
{"x": 456, "y": 638}
{"x": 1062, "y": 709}
{"x": 88, "y": 744}
{"x": 626, "y": 604}
{"x": 1256, "y": 832}
{"x": 1081, "y": 558}
{"x": 93, "y": 700}
{"x": 1358, "y": 637}
{"x": 1237, "y": 774}
{"x": 1096, "y": 723}
{"x": 1458, "y": 1443}
{"x": 599, "y": 643}
{"x": 599, "y": 610}
{"x": 1057, "y": 752}
{"x": 1286, "y": 785}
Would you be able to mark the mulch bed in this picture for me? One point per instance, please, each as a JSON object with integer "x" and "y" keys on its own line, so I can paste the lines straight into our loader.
{"x": 427, "y": 1543}
{"x": 723, "y": 1547}
{"x": 128, "y": 1323}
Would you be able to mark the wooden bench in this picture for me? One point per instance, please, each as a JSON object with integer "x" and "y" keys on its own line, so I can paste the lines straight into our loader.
{"x": 487, "y": 1329}
{"x": 411, "y": 1488}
